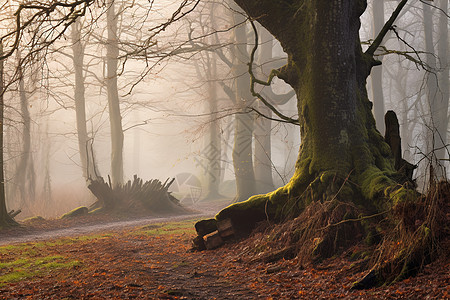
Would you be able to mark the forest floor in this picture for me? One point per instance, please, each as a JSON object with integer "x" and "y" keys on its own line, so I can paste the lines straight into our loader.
{"x": 154, "y": 261}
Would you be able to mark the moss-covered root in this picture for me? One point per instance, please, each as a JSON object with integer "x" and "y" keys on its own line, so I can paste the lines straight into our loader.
{"x": 288, "y": 201}
{"x": 245, "y": 215}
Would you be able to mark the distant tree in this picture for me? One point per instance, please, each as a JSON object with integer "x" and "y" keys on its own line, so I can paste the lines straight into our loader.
{"x": 115, "y": 118}
{"x": 263, "y": 165}
{"x": 243, "y": 121}
{"x": 376, "y": 75}
{"x": 85, "y": 142}
{"x": 437, "y": 95}
{"x": 25, "y": 177}
{"x": 5, "y": 218}
{"x": 206, "y": 68}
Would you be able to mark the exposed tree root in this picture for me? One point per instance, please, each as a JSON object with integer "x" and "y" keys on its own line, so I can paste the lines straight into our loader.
{"x": 323, "y": 212}
{"x": 316, "y": 234}
{"x": 408, "y": 233}
{"x": 416, "y": 239}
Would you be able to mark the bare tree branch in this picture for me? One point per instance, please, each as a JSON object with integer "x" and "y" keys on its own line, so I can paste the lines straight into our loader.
{"x": 387, "y": 26}
{"x": 254, "y": 80}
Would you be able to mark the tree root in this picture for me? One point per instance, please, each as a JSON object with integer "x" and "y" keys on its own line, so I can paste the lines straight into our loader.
{"x": 415, "y": 241}
{"x": 326, "y": 219}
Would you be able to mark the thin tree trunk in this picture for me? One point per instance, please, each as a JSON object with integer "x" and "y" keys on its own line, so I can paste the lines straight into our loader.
{"x": 88, "y": 163}
{"x": 243, "y": 130}
{"x": 214, "y": 146}
{"x": 377, "y": 72}
{"x": 263, "y": 142}
{"x": 115, "y": 118}
{"x": 214, "y": 152}
{"x": 25, "y": 175}
{"x": 438, "y": 121}
{"x": 47, "y": 184}
{"x": 5, "y": 219}
{"x": 444, "y": 74}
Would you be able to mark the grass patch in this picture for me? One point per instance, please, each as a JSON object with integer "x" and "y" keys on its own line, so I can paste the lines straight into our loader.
{"x": 178, "y": 228}
{"x": 25, "y": 268}
{"x": 28, "y": 260}
{"x": 31, "y": 248}
{"x": 15, "y": 277}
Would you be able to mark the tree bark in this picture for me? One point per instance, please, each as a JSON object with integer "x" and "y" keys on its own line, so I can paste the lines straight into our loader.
{"x": 5, "y": 219}
{"x": 115, "y": 118}
{"x": 243, "y": 123}
{"x": 263, "y": 144}
{"x": 88, "y": 163}
{"x": 377, "y": 73}
{"x": 328, "y": 71}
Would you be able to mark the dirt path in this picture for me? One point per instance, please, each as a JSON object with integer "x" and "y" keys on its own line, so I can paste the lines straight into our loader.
{"x": 83, "y": 226}
{"x": 90, "y": 229}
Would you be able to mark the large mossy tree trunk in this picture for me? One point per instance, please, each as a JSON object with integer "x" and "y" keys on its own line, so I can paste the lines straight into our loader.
{"x": 342, "y": 156}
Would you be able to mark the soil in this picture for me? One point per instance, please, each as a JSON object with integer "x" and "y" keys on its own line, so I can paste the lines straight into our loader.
{"x": 127, "y": 263}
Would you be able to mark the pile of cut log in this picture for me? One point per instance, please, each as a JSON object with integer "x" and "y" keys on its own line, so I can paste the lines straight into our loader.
{"x": 152, "y": 195}
{"x": 212, "y": 234}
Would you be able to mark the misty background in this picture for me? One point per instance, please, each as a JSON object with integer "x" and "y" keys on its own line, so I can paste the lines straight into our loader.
{"x": 184, "y": 98}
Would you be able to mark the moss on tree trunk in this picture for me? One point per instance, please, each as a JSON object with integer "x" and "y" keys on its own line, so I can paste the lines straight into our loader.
{"x": 342, "y": 155}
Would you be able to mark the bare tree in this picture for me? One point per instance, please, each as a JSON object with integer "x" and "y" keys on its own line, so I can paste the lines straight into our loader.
{"x": 437, "y": 97}
{"x": 85, "y": 142}
{"x": 5, "y": 219}
{"x": 24, "y": 178}
{"x": 377, "y": 73}
{"x": 115, "y": 118}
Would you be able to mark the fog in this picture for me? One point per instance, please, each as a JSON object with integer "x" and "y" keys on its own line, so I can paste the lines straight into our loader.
{"x": 164, "y": 94}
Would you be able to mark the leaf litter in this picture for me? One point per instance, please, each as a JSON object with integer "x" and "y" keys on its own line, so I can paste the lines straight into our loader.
{"x": 155, "y": 262}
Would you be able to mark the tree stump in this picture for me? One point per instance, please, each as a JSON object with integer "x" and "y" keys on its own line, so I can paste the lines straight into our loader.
{"x": 392, "y": 138}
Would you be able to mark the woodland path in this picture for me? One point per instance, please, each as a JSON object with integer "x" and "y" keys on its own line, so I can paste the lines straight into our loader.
{"x": 82, "y": 225}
